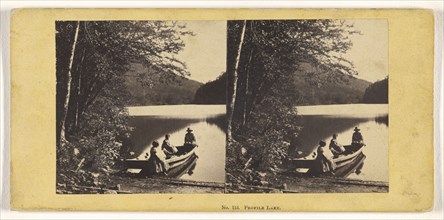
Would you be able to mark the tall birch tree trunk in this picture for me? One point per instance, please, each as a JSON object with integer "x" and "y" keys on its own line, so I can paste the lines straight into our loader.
{"x": 247, "y": 75}
{"x": 235, "y": 78}
{"x": 68, "y": 86}
{"x": 79, "y": 87}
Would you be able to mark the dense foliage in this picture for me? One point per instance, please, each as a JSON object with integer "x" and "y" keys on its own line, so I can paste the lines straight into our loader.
{"x": 93, "y": 152}
{"x": 213, "y": 92}
{"x": 377, "y": 92}
{"x": 92, "y": 57}
{"x": 263, "y": 57}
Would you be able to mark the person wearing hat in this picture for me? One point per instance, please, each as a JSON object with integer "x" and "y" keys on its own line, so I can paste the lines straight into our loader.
{"x": 190, "y": 139}
{"x": 357, "y": 138}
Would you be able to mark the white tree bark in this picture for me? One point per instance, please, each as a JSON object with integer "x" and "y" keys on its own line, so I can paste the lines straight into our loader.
{"x": 68, "y": 85}
{"x": 247, "y": 75}
{"x": 235, "y": 78}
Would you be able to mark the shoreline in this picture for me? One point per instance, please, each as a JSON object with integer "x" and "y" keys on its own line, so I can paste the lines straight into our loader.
{"x": 291, "y": 184}
{"x": 138, "y": 185}
{"x": 288, "y": 184}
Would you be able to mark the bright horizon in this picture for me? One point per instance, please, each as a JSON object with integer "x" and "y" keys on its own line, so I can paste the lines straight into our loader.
{"x": 369, "y": 52}
{"x": 205, "y": 53}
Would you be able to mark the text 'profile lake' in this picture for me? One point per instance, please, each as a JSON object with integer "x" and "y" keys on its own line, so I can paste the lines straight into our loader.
{"x": 208, "y": 123}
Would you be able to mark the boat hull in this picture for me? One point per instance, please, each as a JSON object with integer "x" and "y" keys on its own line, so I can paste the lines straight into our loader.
{"x": 351, "y": 153}
{"x": 148, "y": 166}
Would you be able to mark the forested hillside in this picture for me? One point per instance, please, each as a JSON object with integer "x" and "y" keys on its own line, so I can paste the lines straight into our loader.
{"x": 377, "y": 92}
{"x": 164, "y": 89}
{"x": 213, "y": 92}
{"x": 327, "y": 88}
{"x": 321, "y": 88}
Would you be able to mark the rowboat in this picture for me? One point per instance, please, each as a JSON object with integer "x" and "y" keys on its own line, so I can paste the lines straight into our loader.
{"x": 353, "y": 166}
{"x": 352, "y": 152}
{"x": 185, "y": 168}
{"x": 184, "y": 156}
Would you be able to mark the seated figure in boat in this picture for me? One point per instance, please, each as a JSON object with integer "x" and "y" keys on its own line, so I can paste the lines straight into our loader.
{"x": 335, "y": 147}
{"x": 357, "y": 138}
{"x": 158, "y": 158}
{"x": 167, "y": 147}
{"x": 190, "y": 140}
{"x": 324, "y": 161}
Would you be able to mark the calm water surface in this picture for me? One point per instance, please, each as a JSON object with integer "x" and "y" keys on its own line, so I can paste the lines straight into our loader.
{"x": 320, "y": 122}
{"x": 209, "y": 125}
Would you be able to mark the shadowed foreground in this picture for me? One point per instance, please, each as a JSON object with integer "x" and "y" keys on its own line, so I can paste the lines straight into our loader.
{"x": 139, "y": 185}
{"x": 294, "y": 184}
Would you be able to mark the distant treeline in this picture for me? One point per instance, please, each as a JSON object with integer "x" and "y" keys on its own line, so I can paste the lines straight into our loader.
{"x": 316, "y": 87}
{"x": 345, "y": 91}
{"x": 213, "y": 92}
{"x": 171, "y": 89}
{"x": 166, "y": 89}
{"x": 377, "y": 92}
{"x": 325, "y": 91}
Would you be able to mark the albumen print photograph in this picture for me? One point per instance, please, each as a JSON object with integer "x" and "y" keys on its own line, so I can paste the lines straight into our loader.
{"x": 221, "y": 110}
{"x": 307, "y": 106}
{"x": 248, "y": 106}
{"x": 141, "y": 106}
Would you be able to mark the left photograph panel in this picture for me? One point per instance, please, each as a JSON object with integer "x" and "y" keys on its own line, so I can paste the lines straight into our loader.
{"x": 140, "y": 106}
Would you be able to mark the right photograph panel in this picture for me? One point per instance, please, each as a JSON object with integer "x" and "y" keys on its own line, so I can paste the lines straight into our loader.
{"x": 307, "y": 106}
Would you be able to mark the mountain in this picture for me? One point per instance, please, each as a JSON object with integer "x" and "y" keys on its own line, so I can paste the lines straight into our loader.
{"x": 213, "y": 92}
{"x": 313, "y": 86}
{"x": 159, "y": 89}
{"x": 377, "y": 92}
{"x": 320, "y": 88}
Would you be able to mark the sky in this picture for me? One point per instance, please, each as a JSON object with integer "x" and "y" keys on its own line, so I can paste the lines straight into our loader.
{"x": 205, "y": 53}
{"x": 370, "y": 49}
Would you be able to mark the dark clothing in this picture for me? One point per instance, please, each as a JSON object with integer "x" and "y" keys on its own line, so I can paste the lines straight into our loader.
{"x": 185, "y": 149}
{"x": 190, "y": 143}
{"x": 357, "y": 138}
{"x": 190, "y": 138}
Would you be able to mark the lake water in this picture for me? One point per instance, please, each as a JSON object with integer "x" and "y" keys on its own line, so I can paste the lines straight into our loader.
{"x": 209, "y": 126}
{"x": 320, "y": 122}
